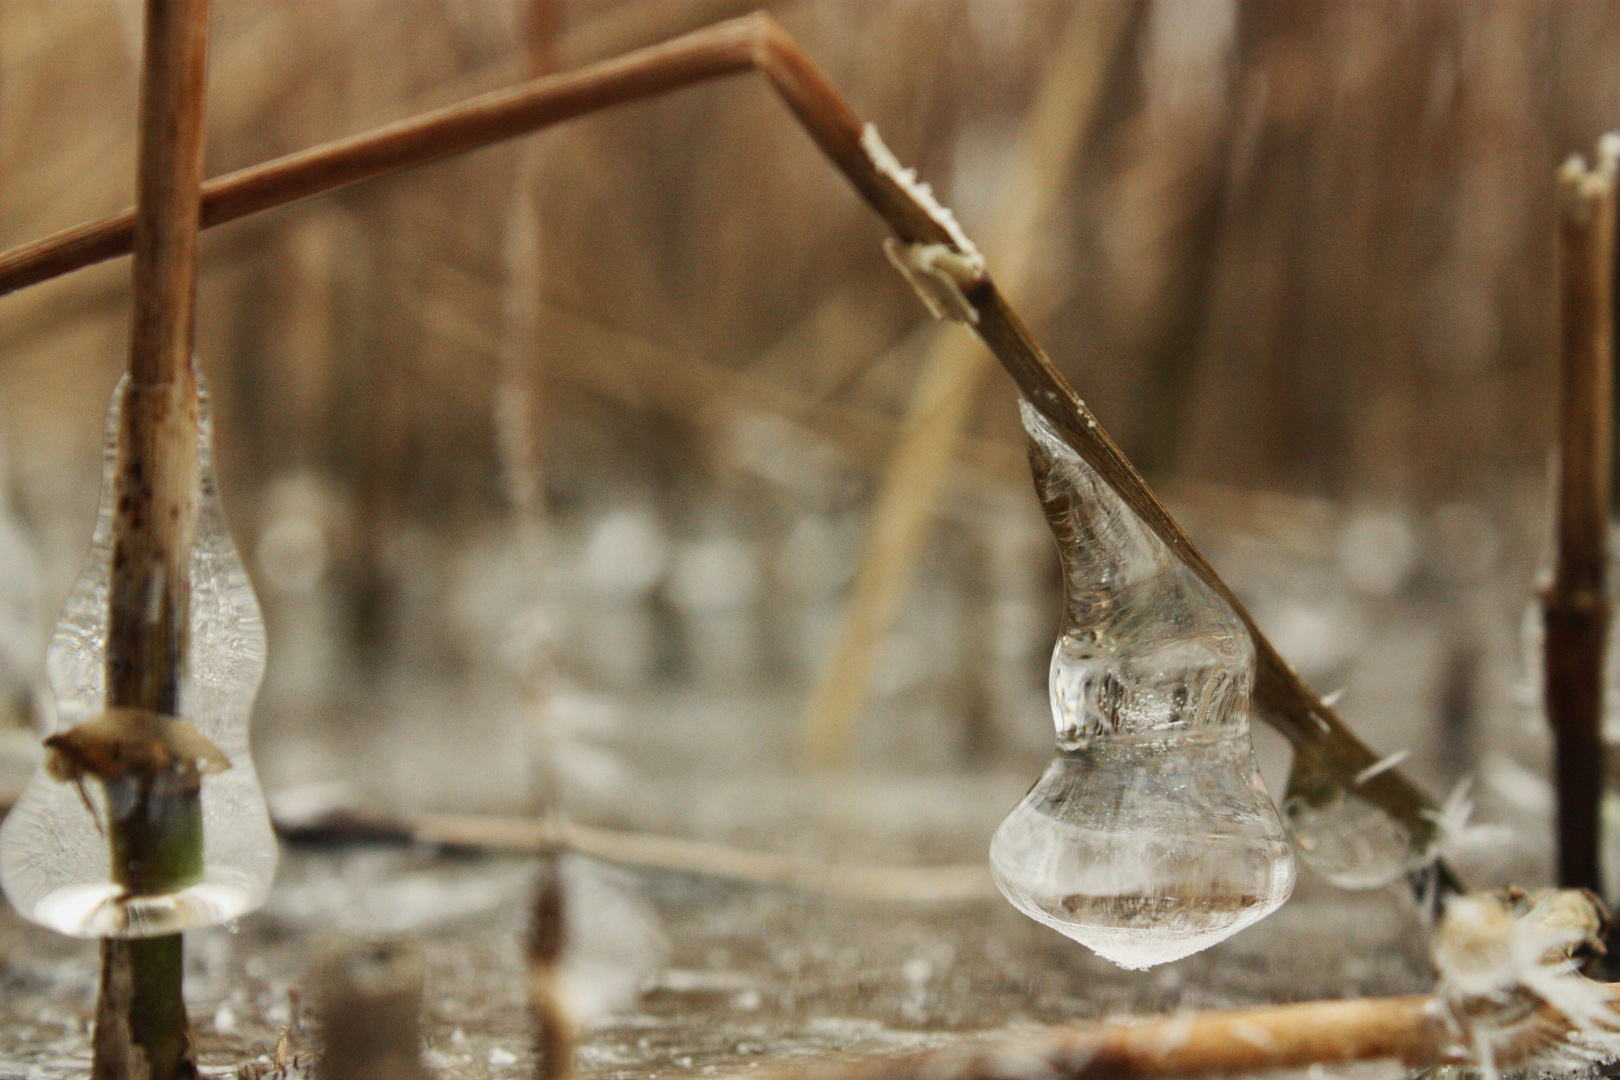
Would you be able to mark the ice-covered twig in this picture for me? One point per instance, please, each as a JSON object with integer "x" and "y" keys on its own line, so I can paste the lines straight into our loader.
{"x": 155, "y": 820}
{"x": 1322, "y": 743}
{"x": 1509, "y": 996}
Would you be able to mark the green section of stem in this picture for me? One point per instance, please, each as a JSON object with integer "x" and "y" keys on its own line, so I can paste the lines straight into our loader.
{"x": 156, "y": 838}
{"x": 141, "y": 1028}
{"x": 157, "y": 1012}
{"x": 157, "y": 845}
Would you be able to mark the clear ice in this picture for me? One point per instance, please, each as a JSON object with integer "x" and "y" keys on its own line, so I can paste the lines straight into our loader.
{"x": 1151, "y": 836}
{"x": 1345, "y": 838}
{"x": 55, "y": 864}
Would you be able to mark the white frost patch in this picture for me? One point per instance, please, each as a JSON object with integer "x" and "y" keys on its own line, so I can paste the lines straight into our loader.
{"x": 889, "y": 165}
{"x": 937, "y": 274}
{"x": 1381, "y": 766}
{"x": 1503, "y": 958}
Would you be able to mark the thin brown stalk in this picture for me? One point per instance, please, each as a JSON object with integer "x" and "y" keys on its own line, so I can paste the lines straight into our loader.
{"x": 481, "y": 121}
{"x": 756, "y": 43}
{"x": 548, "y": 939}
{"x": 155, "y": 820}
{"x": 1065, "y": 106}
{"x": 1575, "y": 607}
{"x": 532, "y": 835}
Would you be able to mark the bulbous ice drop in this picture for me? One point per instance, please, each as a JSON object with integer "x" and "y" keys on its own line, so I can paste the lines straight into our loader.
{"x": 1146, "y": 847}
{"x": 55, "y": 863}
{"x": 1151, "y": 836}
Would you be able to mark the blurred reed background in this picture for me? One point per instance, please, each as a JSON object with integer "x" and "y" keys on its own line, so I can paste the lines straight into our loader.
{"x": 554, "y": 464}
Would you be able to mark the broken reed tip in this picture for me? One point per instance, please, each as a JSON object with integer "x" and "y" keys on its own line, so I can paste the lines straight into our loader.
{"x": 1581, "y": 189}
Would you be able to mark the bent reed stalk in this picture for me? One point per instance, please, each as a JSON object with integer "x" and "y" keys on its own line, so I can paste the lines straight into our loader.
{"x": 755, "y": 43}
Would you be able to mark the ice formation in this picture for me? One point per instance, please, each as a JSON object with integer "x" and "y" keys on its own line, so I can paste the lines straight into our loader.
{"x": 1343, "y": 835}
{"x": 885, "y": 162}
{"x": 1151, "y": 836}
{"x": 55, "y": 862}
{"x": 1510, "y": 983}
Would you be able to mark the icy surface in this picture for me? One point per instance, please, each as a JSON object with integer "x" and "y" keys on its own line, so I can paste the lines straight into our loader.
{"x": 753, "y": 976}
{"x": 1151, "y": 835}
{"x": 54, "y": 859}
{"x": 1146, "y": 848}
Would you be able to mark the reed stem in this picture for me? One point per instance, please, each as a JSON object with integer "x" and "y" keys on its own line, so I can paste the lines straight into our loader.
{"x": 1575, "y": 607}
{"x": 155, "y": 827}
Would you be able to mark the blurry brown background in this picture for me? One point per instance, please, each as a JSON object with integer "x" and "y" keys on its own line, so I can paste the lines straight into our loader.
{"x": 590, "y": 425}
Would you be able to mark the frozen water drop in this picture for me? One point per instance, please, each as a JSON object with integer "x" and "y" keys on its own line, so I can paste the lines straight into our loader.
{"x": 1146, "y": 848}
{"x": 1150, "y": 836}
{"x": 1344, "y": 837}
{"x": 55, "y": 863}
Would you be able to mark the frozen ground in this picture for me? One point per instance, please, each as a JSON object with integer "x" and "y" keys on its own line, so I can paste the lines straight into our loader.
{"x": 698, "y": 976}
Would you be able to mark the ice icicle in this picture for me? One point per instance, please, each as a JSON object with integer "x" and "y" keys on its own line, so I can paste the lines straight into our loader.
{"x": 1150, "y": 836}
{"x": 55, "y": 862}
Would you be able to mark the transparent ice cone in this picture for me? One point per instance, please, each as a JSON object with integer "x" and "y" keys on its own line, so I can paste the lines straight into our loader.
{"x": 55, "y": 863}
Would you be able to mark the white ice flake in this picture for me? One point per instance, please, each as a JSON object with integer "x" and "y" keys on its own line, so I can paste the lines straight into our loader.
{"x": 1381, "y": 766}
{"x": 889, "y": 165}
{"x": 1454, "y": 833}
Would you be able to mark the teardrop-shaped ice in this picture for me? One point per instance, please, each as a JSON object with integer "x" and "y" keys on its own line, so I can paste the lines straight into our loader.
{"x": 1146, "y": 848}
{"x": 1151, "y": 836}
{"x": 55, "y": 862}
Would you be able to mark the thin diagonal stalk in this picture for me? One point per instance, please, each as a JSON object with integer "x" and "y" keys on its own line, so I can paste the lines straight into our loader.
{"x": 756, "y": 43}
{"x": 1065, "y": 106}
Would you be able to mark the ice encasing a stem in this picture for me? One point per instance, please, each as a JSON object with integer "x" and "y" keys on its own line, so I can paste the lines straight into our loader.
{"x": 1342, "y": 835}
{"x": 1150, "y": 836}
{"x": 55, "y": 860}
